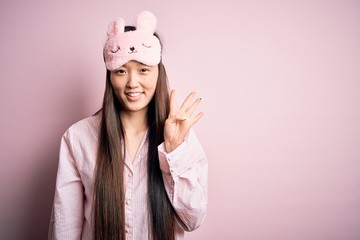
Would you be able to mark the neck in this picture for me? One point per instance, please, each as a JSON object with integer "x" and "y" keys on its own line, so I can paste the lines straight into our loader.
{"x": 134, "y": 122}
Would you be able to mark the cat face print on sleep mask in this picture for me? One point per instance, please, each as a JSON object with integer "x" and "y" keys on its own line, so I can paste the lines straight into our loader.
{"x": 140, "y": 45}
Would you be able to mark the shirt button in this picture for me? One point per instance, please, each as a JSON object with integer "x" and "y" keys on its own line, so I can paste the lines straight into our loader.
{"x": 127, "y": 202}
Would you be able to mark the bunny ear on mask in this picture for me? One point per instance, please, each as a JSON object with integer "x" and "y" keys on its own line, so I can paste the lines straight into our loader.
{"x": 146, "y": 21}
{"x": 115, "y": 27}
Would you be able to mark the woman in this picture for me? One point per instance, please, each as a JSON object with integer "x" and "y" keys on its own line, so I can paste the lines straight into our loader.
{"x": 134, "y": 170}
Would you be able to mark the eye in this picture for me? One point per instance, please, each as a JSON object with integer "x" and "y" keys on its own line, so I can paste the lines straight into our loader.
{"x": 144, "y": 70}
{"x": 120, "y": 72}
{"x": 147, "y": 46}
{"x": 115, "y": 50}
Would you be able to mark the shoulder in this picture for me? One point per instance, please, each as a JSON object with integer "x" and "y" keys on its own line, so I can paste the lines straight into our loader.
{"x": 86, "y": 128}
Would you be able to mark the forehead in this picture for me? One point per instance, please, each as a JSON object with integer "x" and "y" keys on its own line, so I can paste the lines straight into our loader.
{"x": 134, "y": 63}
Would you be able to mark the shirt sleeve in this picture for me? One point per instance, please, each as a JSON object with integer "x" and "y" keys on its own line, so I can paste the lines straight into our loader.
{"x": 185, "y": 174}
{"x": 67, "y": 214}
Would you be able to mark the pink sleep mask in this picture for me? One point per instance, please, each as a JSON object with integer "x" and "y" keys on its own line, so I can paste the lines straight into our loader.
{"x": 140, "y": 45}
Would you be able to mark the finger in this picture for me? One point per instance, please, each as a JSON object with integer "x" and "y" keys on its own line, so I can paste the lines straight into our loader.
{"x": 177, "y": 117}
{"x": 196, "y": 118}
{"x": 172, "y": 103}
{"x": 187, "y": 101}
{"x": 181, "y": 117}
{"x": 193, "y": 106}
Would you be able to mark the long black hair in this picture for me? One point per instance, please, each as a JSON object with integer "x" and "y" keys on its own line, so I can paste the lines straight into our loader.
{"x": 109, "y": 186}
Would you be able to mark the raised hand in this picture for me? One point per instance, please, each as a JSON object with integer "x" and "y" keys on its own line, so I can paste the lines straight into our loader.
{"x": 180, "y": 120}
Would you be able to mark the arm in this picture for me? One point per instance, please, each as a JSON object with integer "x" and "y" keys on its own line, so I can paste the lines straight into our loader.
{"x": 183, "y": 163}
{"x": 185, "y": 178}
{"x": 67, "y": 214}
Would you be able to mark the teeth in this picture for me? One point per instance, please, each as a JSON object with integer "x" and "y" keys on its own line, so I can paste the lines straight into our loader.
{"x": 134, "y": 94}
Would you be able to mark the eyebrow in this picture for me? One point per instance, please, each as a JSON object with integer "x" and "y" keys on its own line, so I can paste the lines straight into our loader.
{"x": 144, "y": 64}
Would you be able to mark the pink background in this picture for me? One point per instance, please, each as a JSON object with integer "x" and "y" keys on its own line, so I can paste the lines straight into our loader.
{"x": 281, "y": 89}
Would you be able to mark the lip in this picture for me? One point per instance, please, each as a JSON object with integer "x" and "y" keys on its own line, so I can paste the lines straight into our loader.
{"x": 133, "y": 96}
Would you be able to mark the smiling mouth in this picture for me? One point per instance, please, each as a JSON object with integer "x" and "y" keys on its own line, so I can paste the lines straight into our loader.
{"x": 134, "y": 94}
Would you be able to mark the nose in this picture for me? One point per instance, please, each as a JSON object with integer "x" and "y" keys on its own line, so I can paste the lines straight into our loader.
{"x": 132, "y": 49}
{"x": 133, "y": 80}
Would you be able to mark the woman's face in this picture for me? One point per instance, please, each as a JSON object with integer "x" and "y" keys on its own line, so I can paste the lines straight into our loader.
{"x": 134, "y": 84}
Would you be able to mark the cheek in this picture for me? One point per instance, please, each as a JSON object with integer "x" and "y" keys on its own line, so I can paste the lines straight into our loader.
{"x": 118, "y": 88}
{"x": 151, "y": 85}
{"x": 117, "y": 83}
{"x": 153, "y": 81}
